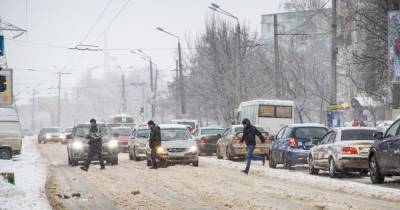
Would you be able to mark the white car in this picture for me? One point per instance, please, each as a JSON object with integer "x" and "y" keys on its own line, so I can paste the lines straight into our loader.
{"x": 138, "y": 142}
{"x": 177, "y": 146}
{"x": 342, "y": 150}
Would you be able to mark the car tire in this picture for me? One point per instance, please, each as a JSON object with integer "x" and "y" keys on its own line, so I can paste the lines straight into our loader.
{"x": 332, "y": 168}
{"x": 271, "y": 162}
{"x": 114, "y": 161}
{"x": 196, "y": 163}
{"x": 374, "y": 171}
{"x": 5, "y": 154}
{"x": 286, "y": 163}
{"x": 135, "y": 157}
{"x": 311, "y": 168}
{"x": 218, "y": 154}
{"x": 149, "y": 163}
{"x": 74, "y": 162}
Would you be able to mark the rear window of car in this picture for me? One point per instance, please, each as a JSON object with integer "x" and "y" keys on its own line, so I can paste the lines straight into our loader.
{"x": 310, "y": 132}
{"x": 51, "y": 130}
{"x": 174, "y": 134}
{"x": 358, "y": 134}
{"x": 212, "y": 131}
{"x": 84, "y": 130}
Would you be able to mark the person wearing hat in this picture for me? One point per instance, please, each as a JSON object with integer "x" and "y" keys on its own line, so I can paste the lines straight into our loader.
{"x": 95, "y": 146}
{"x": 249, "y": 137}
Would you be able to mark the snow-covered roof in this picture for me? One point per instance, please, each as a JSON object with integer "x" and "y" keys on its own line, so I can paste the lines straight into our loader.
{"x": 268, "y": 102}
{"x": 355, "y": 128}
{"x": 211, "y": 127}
{"x": 166, "y": 126}
{"x": 122, "y": 127}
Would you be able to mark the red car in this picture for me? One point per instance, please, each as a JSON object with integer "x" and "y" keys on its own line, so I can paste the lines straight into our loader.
{"x": 122, "y": 135}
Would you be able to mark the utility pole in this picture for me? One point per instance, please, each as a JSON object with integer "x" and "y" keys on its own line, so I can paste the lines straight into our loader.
{"x": 181, "y": 82}
{"x": 177, "y": 88}
{"x": 153, "y": 107}
{"x": 59, "y": 97}
{"x": 334, "y": 54}
{"x": 124, "y": 105}
{"x": 238, "y": 64}
{"x": 33, "y": 110}
{"x": 77, "y": 107}
{"x": 152, "y": 88}
{"x": 278, "y": 79}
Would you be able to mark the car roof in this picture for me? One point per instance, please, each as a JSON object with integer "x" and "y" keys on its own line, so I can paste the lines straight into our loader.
{"x": 211, "y": 127}
{"x": 122, "y": 127}
{"x": 355, "y": 128}
{"x": 166, "y": 126}
{"x": 87, "y": 124}
{"x": 297, "y": 125}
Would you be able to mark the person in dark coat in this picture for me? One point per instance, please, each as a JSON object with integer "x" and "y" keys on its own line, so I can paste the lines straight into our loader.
{"x": 154, "y": 141}
{"x": 249, "y": 137}
{"x": 95, "y": 146}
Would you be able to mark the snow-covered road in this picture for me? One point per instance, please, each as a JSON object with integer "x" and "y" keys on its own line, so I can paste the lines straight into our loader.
{"x": 215, "y": 184}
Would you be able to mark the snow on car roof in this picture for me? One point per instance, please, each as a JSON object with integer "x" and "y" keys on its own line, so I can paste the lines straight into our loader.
{"x": 306, "y": 125}
{"x": 268, "y": 102}
{"x": 166, "y": 126}
{"x": 355, "y": 128}
{"x": 211, "y": 127}
{"x": 122, "y": 127}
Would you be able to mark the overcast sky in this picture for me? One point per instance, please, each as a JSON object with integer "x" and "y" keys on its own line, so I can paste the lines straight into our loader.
{"x": 55, "y": 25}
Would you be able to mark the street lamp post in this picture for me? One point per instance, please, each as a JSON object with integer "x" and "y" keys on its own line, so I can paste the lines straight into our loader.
{"x": 217, "y": 8}
{"x": 181, "y": 82}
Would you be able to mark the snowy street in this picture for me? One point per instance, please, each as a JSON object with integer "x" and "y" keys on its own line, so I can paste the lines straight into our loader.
{"x": 215, "y": 184}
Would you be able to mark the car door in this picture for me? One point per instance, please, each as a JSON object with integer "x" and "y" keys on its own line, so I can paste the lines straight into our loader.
{"x": 387, "y": 148}
{"x": 275, "y": 143}
{"x": 324, "y": 160}
{"x": 394, "y": 153}
{"x": 222, "y": 141}
{"x": 317, "y": 151}
{"x": 281, "y": 144}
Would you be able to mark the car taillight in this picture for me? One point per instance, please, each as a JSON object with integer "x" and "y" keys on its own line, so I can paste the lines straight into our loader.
{"x": 293, "y": 143}
{"x": 349, "y": 151}
{"x": 203, "y": 140}
{"x": 236, "y": 138}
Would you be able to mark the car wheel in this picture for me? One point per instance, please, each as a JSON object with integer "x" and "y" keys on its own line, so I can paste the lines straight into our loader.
{"x": 332, "y": 168}
{"x": 364, "y": 173}
{"x": 286, "y": 163}
{"x": 218, "y": 154}
{"x": 271, "y": 162}
{"x": 311, "y": 169}
{"x": 135, "y": 157}
{"x": 5, "y": 154}
{"x": 114, "y": 161}
{"x": 374, "y": 172}
{"x": 148, "y": 161}
{"x": 196, "y": 163}
{"x": 74, "y": 162}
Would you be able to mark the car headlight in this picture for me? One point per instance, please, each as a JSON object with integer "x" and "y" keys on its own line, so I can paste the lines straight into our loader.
{"x": 62, "y": 136}
{"x": 77, "y": 145}
{"x": 160, "y": 150}
{"x": 113, "y": 144}
{"x": 48, "y": 136}
{"x": 193, "y": 149}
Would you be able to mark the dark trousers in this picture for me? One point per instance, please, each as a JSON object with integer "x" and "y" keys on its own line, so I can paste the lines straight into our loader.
{"x": 154, "y": 156}
{"x": 94, "y": 150}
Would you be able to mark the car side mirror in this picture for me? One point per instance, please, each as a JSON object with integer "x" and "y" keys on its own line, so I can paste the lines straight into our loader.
{"x": 69, "y": 136}
{"x": 378, "y": 135}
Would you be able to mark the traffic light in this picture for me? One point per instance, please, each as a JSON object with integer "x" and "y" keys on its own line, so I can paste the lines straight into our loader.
{"x": 3, "y": 86}
{"x": 141, "y": 111}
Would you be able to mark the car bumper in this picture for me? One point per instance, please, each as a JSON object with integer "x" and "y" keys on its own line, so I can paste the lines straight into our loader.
{"x": 207, "y": 148}
{"x": 241, "y": 151}
{"x": 297, "y": 156}
{"x": 180, "y": 158}
{"x": 140, "y": 152}
{"x": 123, "y": 148}
{"x": 51, "y": 139}
{"x": 349, "y": 163}
{"x": 82, "y": 155}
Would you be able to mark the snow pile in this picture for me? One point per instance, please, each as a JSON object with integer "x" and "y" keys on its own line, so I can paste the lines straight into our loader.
{"x": 337, "y": 185}
{"x": 30, "y": 177}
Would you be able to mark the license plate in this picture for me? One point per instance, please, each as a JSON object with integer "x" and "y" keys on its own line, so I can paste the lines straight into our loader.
{"x": 308, "y": 143}
{"x": 176, "y": 155}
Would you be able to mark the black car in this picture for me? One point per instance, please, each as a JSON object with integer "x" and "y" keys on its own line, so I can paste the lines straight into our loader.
{"x": 384, "y": 155}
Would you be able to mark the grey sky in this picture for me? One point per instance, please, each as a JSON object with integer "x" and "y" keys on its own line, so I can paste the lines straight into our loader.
{"x": 64, "y": 23}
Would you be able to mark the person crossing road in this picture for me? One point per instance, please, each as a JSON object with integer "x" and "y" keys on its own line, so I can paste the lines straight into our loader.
{"x": 95, "y": 146}
{"x": 154, "y": 142}
{"x": 249, "y": 137}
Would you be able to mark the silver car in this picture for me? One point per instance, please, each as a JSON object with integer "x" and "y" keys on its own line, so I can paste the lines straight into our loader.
{"x": 177, "y": 146}
{"x": 342, "y": 150}
{"x": 138, "y": 142}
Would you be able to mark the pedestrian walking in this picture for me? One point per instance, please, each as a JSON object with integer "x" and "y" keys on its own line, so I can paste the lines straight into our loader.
{"x": 249, "y": 137}
{"x": 95, "y": 146}
{"x": 154, "y": 142}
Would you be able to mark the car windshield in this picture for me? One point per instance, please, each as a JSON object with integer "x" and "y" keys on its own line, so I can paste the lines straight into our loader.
{"x": 9, "y": 126}
{"x": 143, "y": 133}
{"x": 212, "y": 131}
{"x": 51, "y": 130}
{"x": 191, "y": 124}
{"x": 84, "y": 130}
{"x": 121, "y": 131}
{"x": 310, "y": 133}
{"x": 173, "y": 134}
{"x": 358, "y": 134}
{"x": 68, "y": 130}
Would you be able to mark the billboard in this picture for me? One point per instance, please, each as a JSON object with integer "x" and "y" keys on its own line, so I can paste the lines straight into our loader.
{"x": 6, "y": 97}
{"x": 394, "y": 44}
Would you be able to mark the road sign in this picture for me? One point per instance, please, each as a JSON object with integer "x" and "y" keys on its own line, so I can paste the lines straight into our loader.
{"x": 1, "y": 45}
{"x": 6, "y": 97}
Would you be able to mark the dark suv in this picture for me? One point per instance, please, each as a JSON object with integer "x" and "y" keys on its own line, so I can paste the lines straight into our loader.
{"x": 293, "y": 142}
{"x": 384, "y": 155}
